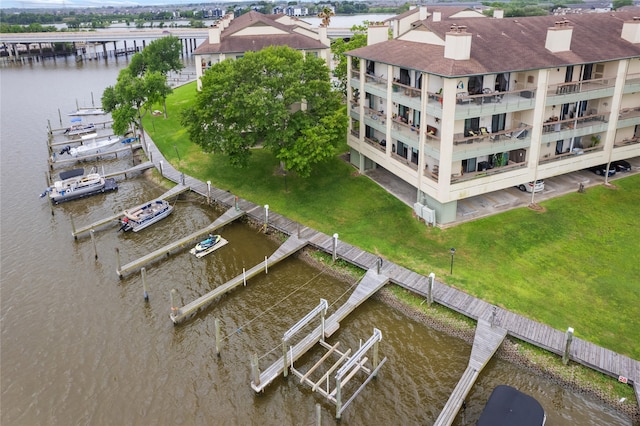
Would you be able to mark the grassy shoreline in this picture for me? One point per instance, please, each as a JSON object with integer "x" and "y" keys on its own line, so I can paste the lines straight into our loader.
{"x": 569, "y": 253}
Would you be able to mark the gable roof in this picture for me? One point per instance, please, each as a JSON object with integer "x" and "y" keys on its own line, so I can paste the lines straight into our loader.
{"x": 238, "y": 36}
{"x": 510, "y": 44}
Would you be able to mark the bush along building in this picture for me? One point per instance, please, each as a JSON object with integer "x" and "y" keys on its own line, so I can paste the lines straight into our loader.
{"x": 458, "y": 105}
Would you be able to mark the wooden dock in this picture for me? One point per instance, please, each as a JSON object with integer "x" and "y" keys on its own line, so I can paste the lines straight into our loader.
{"x": 75, "y": 232}
{"x": 370, "y": 283}
{"x": 227, "y": 217}
{"x": 485, "y": 343}
{"x": 292, "y": 245}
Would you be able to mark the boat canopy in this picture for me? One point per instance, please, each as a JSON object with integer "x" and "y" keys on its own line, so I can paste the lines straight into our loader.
{"x": 71, "y": 173}
{"x": 508, "y": 406}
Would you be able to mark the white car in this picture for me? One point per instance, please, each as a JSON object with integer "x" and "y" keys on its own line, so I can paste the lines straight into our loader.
{"x": 536, "y": 186}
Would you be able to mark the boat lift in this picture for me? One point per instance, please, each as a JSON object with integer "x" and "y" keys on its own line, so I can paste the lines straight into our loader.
{"x": 347, "y": 365}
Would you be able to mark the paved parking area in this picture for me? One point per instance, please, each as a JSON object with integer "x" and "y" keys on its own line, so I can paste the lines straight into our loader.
{"x": 505, "y": 199}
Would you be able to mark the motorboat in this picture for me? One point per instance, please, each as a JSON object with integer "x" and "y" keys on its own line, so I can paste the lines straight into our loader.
{"x": 87, "y": 111}
{"x": 211, "y": 244}
{"x": 508, "y": 406}
{"x": 139, "y": 217}
{"x": 80, "y": 129}
{"x": 91, "y": 145}
{"x": 75, "y": 184}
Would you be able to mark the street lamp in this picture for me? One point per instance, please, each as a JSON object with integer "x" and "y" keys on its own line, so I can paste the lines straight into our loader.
{"x": 452, "y": 251}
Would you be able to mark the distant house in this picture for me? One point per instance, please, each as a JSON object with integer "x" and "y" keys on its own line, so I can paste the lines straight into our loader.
{"x": 232, "y": 37}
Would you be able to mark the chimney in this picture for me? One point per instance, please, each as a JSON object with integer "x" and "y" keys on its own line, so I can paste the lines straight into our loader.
{"x": 457, "y": 43}
{"x": 322, "y": 33}
{"x": 559, "y": 37}
{"x": 631, "y": 30}
{"x": 498, "y": 13}
{"x": 437, "y": 16}
{"x": 423, "y": 13}
{"x": 214, "y": 34}
{"x": 377, "y": 33}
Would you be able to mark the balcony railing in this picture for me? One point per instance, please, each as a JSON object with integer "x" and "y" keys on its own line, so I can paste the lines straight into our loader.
{"x": 378, "y": 80}
{"x": 482, "y": 135}
{"x": 355, "y": 73}
{"x": 629, "y": 113}
{"x": 413, "y": 92}
{"x": 496, "y": 170}
{"x": 628, "y": 141}
{"x": 379, "y": 145}
{"x": 355, "y": 132}
{"x": 404, "y": 160}
{"x": 554, "y": 125}
{"x": 580, "y": 86}
{"x": 571, "y": 154}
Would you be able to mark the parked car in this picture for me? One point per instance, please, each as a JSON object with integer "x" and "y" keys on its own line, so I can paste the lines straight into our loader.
{"x": 621, "y": 166}
{"x": 536, "y": 186}
{"x": 602, "y": 169}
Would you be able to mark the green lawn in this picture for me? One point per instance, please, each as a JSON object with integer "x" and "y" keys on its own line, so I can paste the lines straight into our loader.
{"x": 577, "y": 264}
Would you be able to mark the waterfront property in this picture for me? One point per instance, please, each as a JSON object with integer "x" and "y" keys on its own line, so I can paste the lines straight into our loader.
{"x": 253, "y": 31}
{"x": 459, "y": 107}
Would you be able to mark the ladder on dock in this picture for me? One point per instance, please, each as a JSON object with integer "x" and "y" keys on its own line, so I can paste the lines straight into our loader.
{"x": 486, "y": 342}
{"x": 289, "y": 247}
{"x": 370, "y": 283}
{"x": 226, "y": 218}
{"x": 75, "y": 232}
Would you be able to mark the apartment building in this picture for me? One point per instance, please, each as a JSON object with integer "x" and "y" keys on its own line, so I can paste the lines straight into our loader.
{"x": 253, "y": 31}
{"x": 462, "y": 106}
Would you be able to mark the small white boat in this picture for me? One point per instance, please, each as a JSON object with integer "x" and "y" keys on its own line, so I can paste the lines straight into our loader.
{"x": 211, "y": 244}
{"x": 144, "y": 215}
{"x": 75, "y": 184}
{"x": 91, "y": 145}
{"x": 80, "y": 129}
{"x": 87, "y": 111}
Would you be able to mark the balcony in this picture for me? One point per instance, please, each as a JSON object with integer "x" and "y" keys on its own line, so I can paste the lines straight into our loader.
{"x": 412, "y": 92}
{"x": 374, "y": 142}
{"x": 569, "y": 155}
{"x": 579, "y": 90}
{"x": 627, "y": 141}
{"x": 405, "y": 161}
{"x": 554, "y": 125}
{"x": 496, "y": 170}
{"x": 355, "y": 74}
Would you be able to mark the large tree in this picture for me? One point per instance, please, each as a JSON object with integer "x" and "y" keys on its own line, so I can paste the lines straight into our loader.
{"x": 275, "y": 98}
{"x": 338, "y": 47}
{"x": 132, "y": 96}
{"x": 163, "y": 55}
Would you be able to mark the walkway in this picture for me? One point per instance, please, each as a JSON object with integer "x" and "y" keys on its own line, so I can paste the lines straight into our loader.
{"x": 541, "y": 335}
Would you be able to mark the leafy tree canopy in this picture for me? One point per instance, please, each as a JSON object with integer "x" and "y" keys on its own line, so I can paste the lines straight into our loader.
{"x": 275, "y": 98}
{"x": 617, "y": 4}
{"x": 163, "y": 55}
{"x": 340, "y": 46}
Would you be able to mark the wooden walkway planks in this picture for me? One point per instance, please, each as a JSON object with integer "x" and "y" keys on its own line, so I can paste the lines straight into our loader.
{"x": 292, "y": 245}
{"x": 227, "y": 217}
{"x": 370, "y": 283}
{"x": 486, "y": 342}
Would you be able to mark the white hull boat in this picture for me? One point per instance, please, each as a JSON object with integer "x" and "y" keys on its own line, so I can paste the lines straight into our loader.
{"x": 87, "y": 111}
{"x": 144, "y": 215}
{"x": 90, "y": 146}
{"x": 80, "y": 129}
{"x": 75, "y": 184}
{"x": 211, "y": 244}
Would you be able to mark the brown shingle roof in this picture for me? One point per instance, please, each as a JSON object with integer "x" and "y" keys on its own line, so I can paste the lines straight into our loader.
{"x": 511, "y": 44}
{"x": 239, "y": 44}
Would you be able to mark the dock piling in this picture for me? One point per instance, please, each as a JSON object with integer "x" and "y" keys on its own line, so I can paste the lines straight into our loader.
{"x": 60, "y": 116}
{"x": 255, "y": 371}
{"x": 160, "y": 164}
{"x": 149, "y": 153}
{"x": 209, "y": 192}
{"x": 266, "y": 216}
{"x": 244, "y": 277}
{"x": 569, "y": 337}
{"x": 145, "y": 290}
{"x": 118, "y": 270}
{"x": 335, "y": 247}
{"x": 266, "y": 266}
{"x": 73, "y": 227}
{"x": 216, "y": 323}
{"x": 93, "y": 241}
{"x": 318, "y": 415}
{"x": 174, "y": 305}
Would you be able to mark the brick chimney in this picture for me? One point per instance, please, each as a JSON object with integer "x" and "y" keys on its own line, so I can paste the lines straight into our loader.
{"x": 631, "y": 30}
{"x": 214, "y": 34}
{"x": 377, "y": 33}
{"x": 559, "y": 37}
{"x": 457, "y": 43}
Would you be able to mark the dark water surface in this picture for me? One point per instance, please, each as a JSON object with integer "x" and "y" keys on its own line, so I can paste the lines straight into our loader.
{"x": 80, "y": 346}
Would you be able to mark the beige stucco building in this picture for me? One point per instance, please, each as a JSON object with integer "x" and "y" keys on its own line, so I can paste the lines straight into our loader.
{"x": 459, "y": 105}
{"x": 253, "y": 31}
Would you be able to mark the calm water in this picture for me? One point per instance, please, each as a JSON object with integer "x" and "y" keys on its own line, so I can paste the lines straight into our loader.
{"x": 80, "y": 346}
